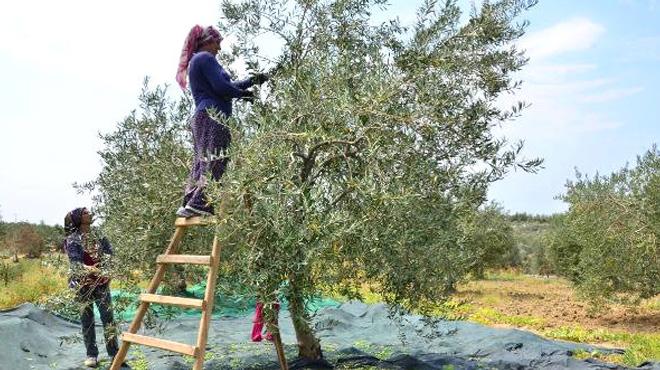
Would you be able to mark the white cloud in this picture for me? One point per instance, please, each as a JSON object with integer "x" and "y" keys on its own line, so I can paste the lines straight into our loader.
{"x": 562, "y": 124}
{"x": 573, "y": 35}
{"x": 561, "y": 94}
{"x": 109, "y": 43}
{"x": 612, "y": 94}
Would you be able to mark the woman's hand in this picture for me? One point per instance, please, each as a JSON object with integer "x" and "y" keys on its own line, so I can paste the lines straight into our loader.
{"x": 259, "y": 78}
{"x": 92, "y": 269}
{"x": 248, "y": 96}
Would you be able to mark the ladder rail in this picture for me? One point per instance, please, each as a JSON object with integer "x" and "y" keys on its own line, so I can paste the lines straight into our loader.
{"x": 209, "y": 298}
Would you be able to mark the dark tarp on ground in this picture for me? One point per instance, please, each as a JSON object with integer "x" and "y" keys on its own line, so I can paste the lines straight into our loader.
{"x": 352, "y": 335}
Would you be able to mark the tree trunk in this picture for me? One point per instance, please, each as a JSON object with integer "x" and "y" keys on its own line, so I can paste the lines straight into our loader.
{"x": 309, "y": 346}
{"x": 176, "y": 283}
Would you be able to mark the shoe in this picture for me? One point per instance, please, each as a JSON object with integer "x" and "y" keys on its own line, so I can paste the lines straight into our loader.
{"x": 183, "y": 212}
{"x": 91, "y": 362}
{"x": 189, "y": 212}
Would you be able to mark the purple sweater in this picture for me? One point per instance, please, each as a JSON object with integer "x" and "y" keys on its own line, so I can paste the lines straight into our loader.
{"x": 211, "y": 85}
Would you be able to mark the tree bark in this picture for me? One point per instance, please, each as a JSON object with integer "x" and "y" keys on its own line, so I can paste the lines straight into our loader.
{"x": 309, "y": 346}
{"x": 177, "y": 281}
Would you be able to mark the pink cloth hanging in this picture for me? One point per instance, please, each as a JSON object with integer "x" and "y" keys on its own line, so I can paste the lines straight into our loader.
{"x": 258, "y": 323}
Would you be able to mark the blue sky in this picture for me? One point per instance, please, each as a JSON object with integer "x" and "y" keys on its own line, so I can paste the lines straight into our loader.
{"x": 74, "y": 68}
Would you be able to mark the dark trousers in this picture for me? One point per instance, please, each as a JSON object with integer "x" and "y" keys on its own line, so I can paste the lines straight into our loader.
{"x": 101, "y": 295}
{"x": 210, "y": 142}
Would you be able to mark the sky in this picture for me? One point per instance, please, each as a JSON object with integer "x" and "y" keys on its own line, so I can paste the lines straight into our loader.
{"x": 73, "y": 69}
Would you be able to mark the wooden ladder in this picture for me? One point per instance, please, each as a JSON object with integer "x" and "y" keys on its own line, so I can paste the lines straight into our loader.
{"x": 205, "y": 305}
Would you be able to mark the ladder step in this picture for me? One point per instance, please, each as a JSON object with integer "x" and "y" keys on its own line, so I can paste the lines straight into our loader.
{"x": 168, "y": 345}
{"x": 175, "y": 301}
{"x": 192, "y": 221}
{"x": 184, "y": 258}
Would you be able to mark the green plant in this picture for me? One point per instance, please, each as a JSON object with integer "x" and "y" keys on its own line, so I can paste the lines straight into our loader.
{"x": 607, "y": 243}
{"x": 29, "y": 282}
{"x": 8, "y": 271}
{"x": 139, "y": 360}
{"x": 489, "y": 232}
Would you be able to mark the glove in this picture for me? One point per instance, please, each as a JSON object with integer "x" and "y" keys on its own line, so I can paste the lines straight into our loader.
{"x": 259, "y": 78}
{"x": 248, "y": 96}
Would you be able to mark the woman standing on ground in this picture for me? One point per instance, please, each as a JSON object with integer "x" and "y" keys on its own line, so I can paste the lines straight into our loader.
{"x": 212, "y": 89}
{"x": 88, "y": 258}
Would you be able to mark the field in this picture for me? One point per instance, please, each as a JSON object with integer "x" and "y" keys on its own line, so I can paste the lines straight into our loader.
{"x": 550, "y": 307}
{"x": 29, "y": 280}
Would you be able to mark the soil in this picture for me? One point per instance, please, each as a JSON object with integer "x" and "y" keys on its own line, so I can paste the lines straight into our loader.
{"x": 555, "y": 301}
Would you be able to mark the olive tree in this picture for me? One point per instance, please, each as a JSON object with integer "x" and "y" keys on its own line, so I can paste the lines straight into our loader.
{"x": 607, "y": 243}
{"x": 490, "y": 235}
{"x": 370, "y": 149}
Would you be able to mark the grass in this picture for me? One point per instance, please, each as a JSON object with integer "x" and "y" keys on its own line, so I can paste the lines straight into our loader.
{"x": 32, "y": 282}
{"x": 139, "y": 360}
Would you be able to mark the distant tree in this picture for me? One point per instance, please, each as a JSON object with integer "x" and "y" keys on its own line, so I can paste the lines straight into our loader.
{"x": 51, "y": 235}
{"x": 608, "y": 241}
{"x": 491, "y": 235}
{"x": 3, "y": 233}
{"x": 3, "y": 229}
{"x": 528, "y": 217}
{"x": 28, "y": 241}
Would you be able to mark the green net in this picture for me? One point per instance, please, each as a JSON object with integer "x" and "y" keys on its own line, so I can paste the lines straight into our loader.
{"x": 223, "y": 306}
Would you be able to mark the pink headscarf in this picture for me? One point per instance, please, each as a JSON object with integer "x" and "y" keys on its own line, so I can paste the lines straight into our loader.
{"x": 197, "y": 37}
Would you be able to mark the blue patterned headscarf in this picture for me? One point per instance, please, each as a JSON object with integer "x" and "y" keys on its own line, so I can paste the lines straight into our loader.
{"x": 73, "y": 220}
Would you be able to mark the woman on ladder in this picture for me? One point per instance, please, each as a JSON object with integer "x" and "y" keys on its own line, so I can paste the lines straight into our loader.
{"x": 212, "y": 90}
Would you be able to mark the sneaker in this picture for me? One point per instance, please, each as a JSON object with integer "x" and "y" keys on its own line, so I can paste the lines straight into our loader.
{"x": 189, "y": 212}
{"x": 183, "y": 212}
{"x": 91, "y": 362}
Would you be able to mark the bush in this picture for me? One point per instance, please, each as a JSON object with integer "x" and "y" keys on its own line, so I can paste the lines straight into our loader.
{"x": 29, "y": 282}
{"x": 8, "y": 271}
